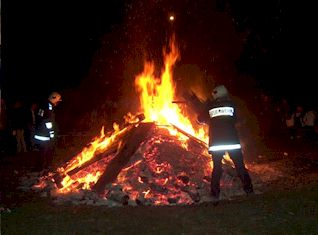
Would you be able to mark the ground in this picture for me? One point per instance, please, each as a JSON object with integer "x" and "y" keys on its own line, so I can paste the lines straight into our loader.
{"x": 287, "y": 205}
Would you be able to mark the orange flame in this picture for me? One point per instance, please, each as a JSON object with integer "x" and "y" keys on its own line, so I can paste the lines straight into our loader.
{"x": 156, "y": 96}
{"x": 99, "y": 144}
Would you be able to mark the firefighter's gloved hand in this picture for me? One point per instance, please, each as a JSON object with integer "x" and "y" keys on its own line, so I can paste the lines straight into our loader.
{"x": 200, "y": 122}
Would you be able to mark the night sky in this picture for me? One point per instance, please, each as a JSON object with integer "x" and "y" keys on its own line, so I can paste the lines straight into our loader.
{"x": 50, "y": 44}
{"x": 61, "y": 45}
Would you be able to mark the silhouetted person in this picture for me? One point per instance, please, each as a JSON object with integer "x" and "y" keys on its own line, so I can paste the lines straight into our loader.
{"x": 18, "y": 125}
{"x": 31, "y": 124}
{"x": 283, "y": 113}
{"x": 297, "y": 120}
{"x": 309, "y": 121}
{"x": 4, "y": 128}
{"x": 265, "y": 116}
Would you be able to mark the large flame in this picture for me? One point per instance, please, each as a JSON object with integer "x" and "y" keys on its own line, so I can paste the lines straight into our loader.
{"x": 157, "y": 95}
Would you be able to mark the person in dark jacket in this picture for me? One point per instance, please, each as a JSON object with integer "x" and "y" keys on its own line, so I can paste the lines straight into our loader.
{"x": 45, "y": 130}
{"x": 220, "y": 115}
{"x": 18, "y": 125}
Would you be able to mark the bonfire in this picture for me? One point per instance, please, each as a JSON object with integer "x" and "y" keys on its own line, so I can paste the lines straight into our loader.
{"x": 158, "y": 157}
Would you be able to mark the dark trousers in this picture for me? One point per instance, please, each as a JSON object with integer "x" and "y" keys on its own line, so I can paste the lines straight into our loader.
{"x": 237, "y": 158}
{"x": 29, "y": 137}
{"x": 46, "y": 155}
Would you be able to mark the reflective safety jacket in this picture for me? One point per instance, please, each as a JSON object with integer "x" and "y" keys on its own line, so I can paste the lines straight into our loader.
{"x": 44, "y": 130}
{"x": 220, "y": 115}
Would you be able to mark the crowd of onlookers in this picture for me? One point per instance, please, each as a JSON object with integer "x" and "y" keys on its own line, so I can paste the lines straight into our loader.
{"x": 296, "y": 120}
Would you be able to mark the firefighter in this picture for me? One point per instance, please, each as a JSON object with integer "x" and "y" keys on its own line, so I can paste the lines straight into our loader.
{"x": 45, "y": 130}
{"x": 220, "y": 115}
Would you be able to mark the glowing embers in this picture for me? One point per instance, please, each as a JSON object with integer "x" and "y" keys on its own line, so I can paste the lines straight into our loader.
{"x": 161, "y": 172}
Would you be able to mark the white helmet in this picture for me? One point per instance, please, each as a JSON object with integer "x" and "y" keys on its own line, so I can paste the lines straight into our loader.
{"x": 55, "y": 97}
{"x": 220, "y": 92}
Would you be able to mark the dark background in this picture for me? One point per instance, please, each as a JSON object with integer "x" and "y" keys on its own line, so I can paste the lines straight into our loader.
{"x": 54, "y": 45}
{"x": 48, "y": 45}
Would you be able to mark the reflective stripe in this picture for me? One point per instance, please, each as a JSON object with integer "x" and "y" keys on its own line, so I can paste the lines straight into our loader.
{"x": 41, "y": 112}
{"x": 50, "y": 107}
{"x": 224, "y": 147}
{"x": 221, "y": 111}
{"x": 49, "y": 125}
{"x": 42, "y": 138}
{"x": 52, "y": 134}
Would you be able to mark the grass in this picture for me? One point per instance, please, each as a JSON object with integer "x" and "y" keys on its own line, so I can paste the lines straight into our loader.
{"x": 279, "y": 212}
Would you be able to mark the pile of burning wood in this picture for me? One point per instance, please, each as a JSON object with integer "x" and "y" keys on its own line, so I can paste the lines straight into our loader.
{"x": 145, "y": 165}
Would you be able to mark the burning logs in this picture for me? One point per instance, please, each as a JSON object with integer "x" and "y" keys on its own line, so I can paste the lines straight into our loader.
{"x": 132, "y": 142}
{"x": 202, "y": 144}
{"x": 111, "y": 144}
{"x": 110, "y": 150}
